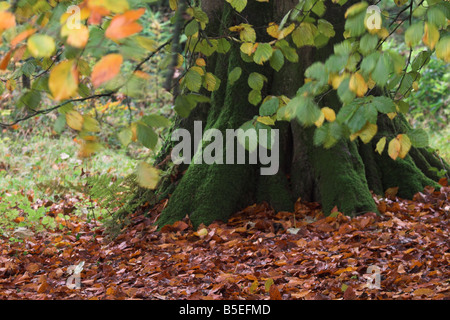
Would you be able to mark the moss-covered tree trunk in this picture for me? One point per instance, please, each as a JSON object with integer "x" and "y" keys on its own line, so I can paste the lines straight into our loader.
{"x": 342, "y": 176}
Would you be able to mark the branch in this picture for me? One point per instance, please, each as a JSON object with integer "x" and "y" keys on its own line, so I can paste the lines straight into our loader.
{"x": 140, "y": 64}
{"x": 175, "y": 45}
{"x": 45, "y": 111}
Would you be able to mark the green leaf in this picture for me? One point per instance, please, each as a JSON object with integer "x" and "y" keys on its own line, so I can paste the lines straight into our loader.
{"x": 238, "y": 5}
{"x": 327, "y": 135}
{"x": 263, "y": 53}
{"x": 418, "y": 138}
{"x": 193, "y": 80}
{"x": 191, "y": 28}
{"x": 183, "y": 106}
{"x": 125, "y": 136}
{"x": 60, "y": 124}
{"x": 422, "y": 58}
{"x": 414, "y": 34}
{"x": 436, "y": 16}
{"x": 325, "y": 28}
{"x": 254, "y": 97}
{"x": 223, "y": 45}
{"x": 146, "y": 135}
{"x": 382, "y": 69}
{"x": 289, "y": 53}
{"x": 345, "y": 94}
{"x": 402, "y": 106}
{"x": 318, "y": 72}
{"x": 368, "y": 43}
{"x": 355, "y": 25}
{"x": 384, "y": 104}
{"x": 269, "y": 107}
{"x": 306, "y": 110}
{"x": 256, "y": 81}
{"x": 234, "y": 75}
{"x": 277, "y": 60}
{"x": 156, "y": 121}
{"x": 248, "y": 136}
{"x": 304, "y": 34}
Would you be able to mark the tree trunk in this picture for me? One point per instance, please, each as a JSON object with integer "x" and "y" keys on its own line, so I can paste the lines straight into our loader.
{"x": 342, "y": 176}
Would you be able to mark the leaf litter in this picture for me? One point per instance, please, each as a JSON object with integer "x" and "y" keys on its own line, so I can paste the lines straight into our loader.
{"x": 257, "y": 254}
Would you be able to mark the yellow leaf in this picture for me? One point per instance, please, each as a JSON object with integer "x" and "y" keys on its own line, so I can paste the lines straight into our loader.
{"x": 173, "y": 4}
{"x": 147, "y": 176}
{"x": 394, "y": 148}
{"x": 248, "y": 48}
{"x": 41, "y": 45}
{"x": 430, "y": 36}
{"x": 63, "y": 80}
{"x": 358, "y": 85}
{"x": 368, "y": 132}
{"x": 199, "y": 70}
{"x": 335, "y": 79}
{"x": 200, "y": 62}
{"x": 88, "y": 148}
{"x": 274, "y": 30}
{"x": 329, "y": 114}
{"x": 405, "y": 145}
{"x": 74, "y": 120}
{"x": 90, "y": 124}
{"x": 380, "y": 145}
{"x": 319, "y": 122}
{"x": 266, "y": 120}
{"x": 443, "y": 49}
{"x": 76, "y": 38}
{"x": 106, "y": 69}
{"x": 392, "y": 115}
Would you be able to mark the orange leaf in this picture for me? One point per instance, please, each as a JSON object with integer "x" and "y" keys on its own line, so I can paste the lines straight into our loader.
{"x": 7, "y": 20}
{"x": 124, "y": 25}
{"x": 5, "y": 61}
{"x": 22, "y": 36}
{"x": 274, "y": 293}
{"x": 106, "y": 69}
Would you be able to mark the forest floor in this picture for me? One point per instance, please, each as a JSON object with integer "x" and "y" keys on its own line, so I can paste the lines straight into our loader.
{"x": 257, "y": 254}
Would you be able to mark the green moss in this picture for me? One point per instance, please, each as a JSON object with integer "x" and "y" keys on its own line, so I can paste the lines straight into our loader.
{"x": 341, "y": 178}
{"x": 403, "y": 173}
{"x": 275, "y": 190}
{"x": 373, "y": 174}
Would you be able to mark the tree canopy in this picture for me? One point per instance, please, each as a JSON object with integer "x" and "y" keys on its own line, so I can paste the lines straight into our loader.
{"x": 74, "y": 51}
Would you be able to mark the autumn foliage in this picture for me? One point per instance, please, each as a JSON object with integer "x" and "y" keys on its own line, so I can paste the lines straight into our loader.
{"x": 257, "y": 254}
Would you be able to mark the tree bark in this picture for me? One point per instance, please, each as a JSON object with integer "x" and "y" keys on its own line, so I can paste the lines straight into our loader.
{"x": 342, "y": 176}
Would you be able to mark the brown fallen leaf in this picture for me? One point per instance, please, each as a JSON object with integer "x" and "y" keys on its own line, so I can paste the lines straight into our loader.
{"x": 423, "y": 292}
{"x": 274, "y": 293}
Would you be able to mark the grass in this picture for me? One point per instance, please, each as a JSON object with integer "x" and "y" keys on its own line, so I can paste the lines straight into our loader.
{"x": 41, "y": 158}
{"x": 41, "y": 168}
{"x": 440, "y": 140}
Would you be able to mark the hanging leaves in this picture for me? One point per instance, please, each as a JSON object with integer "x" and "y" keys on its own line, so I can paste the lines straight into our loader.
{"x": 124, "y": 25}
{"x": 63, "y": 80}
{"x": 106, "y": 69}
{"x": 147, "y": 176}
